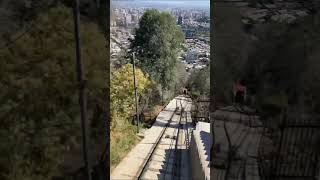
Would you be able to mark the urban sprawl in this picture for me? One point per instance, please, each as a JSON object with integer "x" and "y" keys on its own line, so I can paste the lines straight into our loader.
{"x": 195, "y": 52}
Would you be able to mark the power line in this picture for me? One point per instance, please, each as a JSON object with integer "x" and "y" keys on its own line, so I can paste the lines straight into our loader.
{"x": 14, "y": 40}
{"x": 30, "y": 26}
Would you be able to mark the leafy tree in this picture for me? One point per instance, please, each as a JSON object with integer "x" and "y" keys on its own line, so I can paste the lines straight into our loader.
{"x": 122, "y": 92}
{"x": 123, "y": 133}
{"x": 230, "y": 53}
{"x": 180, "y": 77}
{"x": 39, "y": 109}
{"x": 199, "y": 81}
{"x": 122, "y": 59}
{"x": 156, "y": 43}
{"x": 279, "y": 67}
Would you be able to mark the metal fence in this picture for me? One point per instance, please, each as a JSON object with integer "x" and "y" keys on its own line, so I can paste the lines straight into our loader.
{"x": 288, "y": 150}
{"x": 200, "y": 111}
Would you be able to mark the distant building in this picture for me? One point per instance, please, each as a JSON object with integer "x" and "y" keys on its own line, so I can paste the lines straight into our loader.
{"x": 128, "y": 19}
{"x": 113, "y": 23}
{"x": 180, "y": 20}
{"x": 191, "y": 56}
{"x": 189, "y": 33}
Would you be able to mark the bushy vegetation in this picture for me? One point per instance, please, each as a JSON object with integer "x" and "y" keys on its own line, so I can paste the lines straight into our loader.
{"x": 199, "y": 81}
{"x": 123, "y": 133}
{"x": 39, "y": 106}
{"x": 157, "y": 42}
{"x": 277, "y": 60}
{"x": 282, "y": 70}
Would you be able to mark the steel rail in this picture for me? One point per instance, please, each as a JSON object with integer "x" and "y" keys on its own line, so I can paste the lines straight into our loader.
{"x": 177, "y": 155}
{"x": 154, "y": 147}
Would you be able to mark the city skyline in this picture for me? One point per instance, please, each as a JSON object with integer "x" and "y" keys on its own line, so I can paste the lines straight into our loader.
{"x": 163, "y": 4}
{"x": 194, "y": 24}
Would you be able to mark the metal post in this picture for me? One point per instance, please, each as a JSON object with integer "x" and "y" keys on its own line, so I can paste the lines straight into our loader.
{"x": 82, "y": 85}
{"x": 162, "y": 95}
{"x": 278, "y": 158}
{"x": 135, "y": 89}
{"x": 106, "y": 156}
{"x": 176, "y": 103}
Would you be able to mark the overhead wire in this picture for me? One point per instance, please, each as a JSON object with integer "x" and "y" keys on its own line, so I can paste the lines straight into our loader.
{"x": 29, "y": 25}
{"x": 17, "y": 38}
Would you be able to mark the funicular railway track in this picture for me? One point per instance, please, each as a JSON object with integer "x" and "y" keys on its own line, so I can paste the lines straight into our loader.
{"x": 172, "y": 160}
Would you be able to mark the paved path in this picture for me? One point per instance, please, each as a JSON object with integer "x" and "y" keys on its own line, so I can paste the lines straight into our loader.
{"x": 162, "y": 159}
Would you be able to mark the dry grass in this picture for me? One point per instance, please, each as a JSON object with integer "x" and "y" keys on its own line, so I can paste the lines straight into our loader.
{"x": 123, "y": 137}
{"x": 122, "y": 140}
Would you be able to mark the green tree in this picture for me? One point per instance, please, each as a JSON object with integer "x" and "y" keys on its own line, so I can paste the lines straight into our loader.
{"x": 180, "y": 78}
{"x": 122, "y": 92}
{"x": 156, "y": 43}
{"x": 278, "y": 64}
{"x": 123, "y": 133}
{"x": 199, "y": 81}
{"x": 230, "y": 52}
{"x": 39, "y": 108}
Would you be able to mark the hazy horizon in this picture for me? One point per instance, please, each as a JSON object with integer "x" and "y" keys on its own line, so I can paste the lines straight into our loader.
{"x": 188, "y": 4}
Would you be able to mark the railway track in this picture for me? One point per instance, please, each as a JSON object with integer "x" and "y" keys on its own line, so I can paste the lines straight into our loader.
{"x": 164, "y": 160}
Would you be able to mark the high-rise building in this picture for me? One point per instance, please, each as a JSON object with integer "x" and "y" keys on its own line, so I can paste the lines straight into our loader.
{"x": 180, "y": 20}
{"x": 128, "y": 19}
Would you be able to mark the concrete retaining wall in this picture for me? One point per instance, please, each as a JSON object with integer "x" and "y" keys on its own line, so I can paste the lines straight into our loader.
{"x": 196, "y": 167}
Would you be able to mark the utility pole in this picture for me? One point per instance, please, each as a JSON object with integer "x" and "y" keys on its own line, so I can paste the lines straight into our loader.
{"x": 162, "y": 95}
{"x": 135, "y": 89}
{"x": 82, "y": 86}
